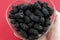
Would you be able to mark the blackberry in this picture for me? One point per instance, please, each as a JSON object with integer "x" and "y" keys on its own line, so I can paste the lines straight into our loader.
{"x": 31, "y": 24}
{"x": 12, "y": 12}
{"x": 38, "y": 13}
{"x": 37, "y": 5}
{"x": 23, "y": 34}
{"x": 21, "y": 7}
{"x": 45, "y": 11}
{"x": 12, "y": 21}
{"x": 31, "y": 7}
{"x": 38, "y": 27}
{"x": 24, "y": 26}
{"x": 17, "y": 25}
{"x": 42, "y": 20}
{"x": 45, "y": 4}
{"x": 28, "y": 13}
{"x": 14, "y": 9}
{"x": 32, "y": 37}
{"x": 33, "y": 31}
{"x": 47, "y": 22}
{"x": 44, "y": 29}
{"x": 26, "y": 19}
{"x": 51, "y": 10}
{"x": 11, "y": 16}
{"x": 19, "y": 15}
{"x": 34, "y": 18}
{"x": 19, "y": 20}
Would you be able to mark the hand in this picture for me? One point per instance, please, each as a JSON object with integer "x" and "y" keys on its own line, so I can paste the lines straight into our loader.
{"x": 54, "y": 33}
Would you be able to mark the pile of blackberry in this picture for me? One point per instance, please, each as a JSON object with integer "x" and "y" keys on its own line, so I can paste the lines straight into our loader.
{"x": 32, "y": 19}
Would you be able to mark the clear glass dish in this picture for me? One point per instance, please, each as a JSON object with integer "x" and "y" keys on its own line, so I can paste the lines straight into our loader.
{"x": 16, "y": 2}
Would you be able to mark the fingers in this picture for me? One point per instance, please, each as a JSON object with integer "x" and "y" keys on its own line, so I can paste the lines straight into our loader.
{"x": 54, "y": 33}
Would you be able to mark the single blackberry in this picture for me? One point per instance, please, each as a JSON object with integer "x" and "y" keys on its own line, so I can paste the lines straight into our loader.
{"x": 20, "y": 20}
{"x": 37, "y": 5}
{"x": 34, "y": 18}
{"x": 23, "y": 34}
{"x": 24, "y": 26}
{"x": 26, "y": 19}
{"x": 38, "y": 27}
{"x": 31, "y": 7}
{"x": 17, "y": 25}
{"x": 15, "y": 9}
{"x": 21, "y": 7}
{"x": 33, "y": 31}
{"x": 11, "y": 16}
{"x": 28, "y": 13}
{"x": 45, "y": 4}
{"x": 33, "y": 37}
{"x": 47, "y": 22}
{"x": 45, "y": 12}
{"x": 12, "y": 21}
{"x": 12, "y": 12}
{"x": 51, "y": 10}
{"x": 38, "y": 13}
{"x": 19, "y": 15}
{"x": 42, "y": 20}
{"x": 31, "y": 24}
{"x": 44, "y": 29}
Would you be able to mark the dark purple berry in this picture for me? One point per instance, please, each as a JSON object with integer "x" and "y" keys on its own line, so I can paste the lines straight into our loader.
{"x": 28, "y": 13}
{"x": 33, "y": 31}
{"x": 19, "y": 15}
{"x": 24, "y": 26}
{"x": 31, "y": 7}
{"x": 51, "y": 10}
{"x": 33, "y": 37}
{"x": 21, "y": 7}
{"x": 47, "y": 22}
{"x": 26, "y": 19}
{"x": 17, "y": 25}
{"x": 45, "y": 12}
{"x": 42, "y": 20}
{"x": 23, "y": 34}
{"x": 45, "y": 4}
{"x": 34, "y": 18}
{"x": 37, "y": 5}
{"x": 38, "y": 27}
{"x": 20, "y": 20}
{"x": 15, "y": 9}
{"x": 31, "y": 24}
{"x": 12, "y": 21}
{"x": 11, "y": 16}
{"x": 45, "y": 29}
{"x": 38, "y": 13}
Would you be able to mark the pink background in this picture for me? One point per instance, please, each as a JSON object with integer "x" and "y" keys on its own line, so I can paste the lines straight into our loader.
{"x": 5, "y": 31}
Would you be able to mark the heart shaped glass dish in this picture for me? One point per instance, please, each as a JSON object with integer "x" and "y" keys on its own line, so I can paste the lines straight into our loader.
{"x": 27, "y": 2}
